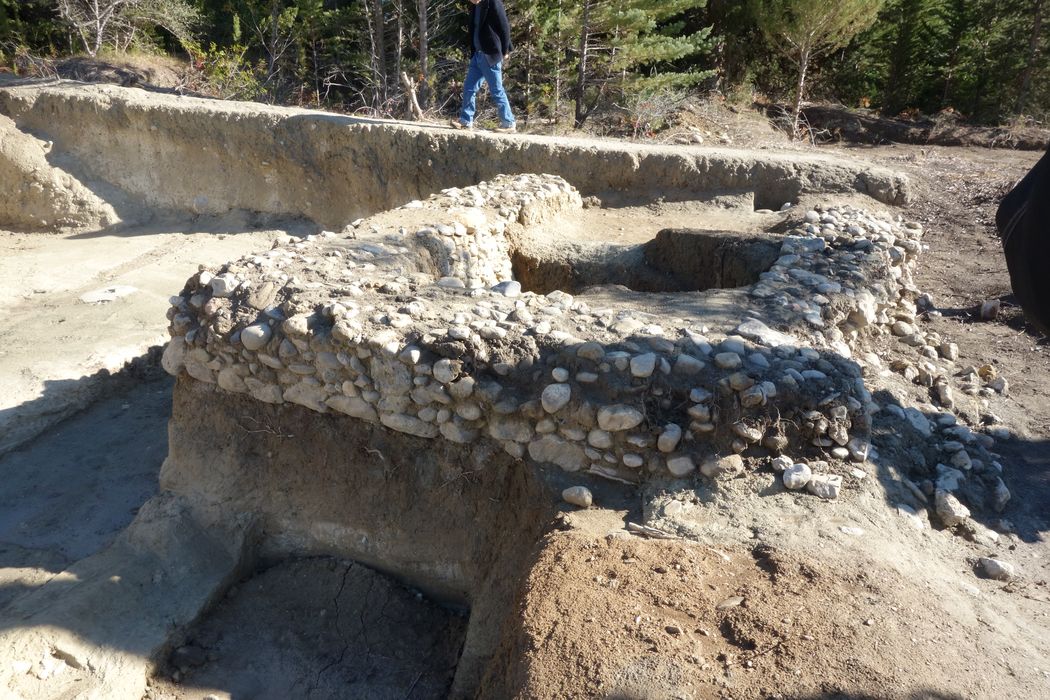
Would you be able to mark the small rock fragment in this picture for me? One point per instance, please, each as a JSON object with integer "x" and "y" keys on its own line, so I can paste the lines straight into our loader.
{"x": 997, "y": 569}
{"x": 578, "y": 496}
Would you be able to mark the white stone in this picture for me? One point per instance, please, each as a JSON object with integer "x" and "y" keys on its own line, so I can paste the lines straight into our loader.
{"x": 797, "y": 476}
{"x": 826, "y": 486}
{"x": 949, "y": 509}
{"x": 760, "y": 332}
{"x": 781, "y": 463}
{"x": 255, "y": 336}
{"x": 555, "y": 397}
{"x": 669, "y": 438}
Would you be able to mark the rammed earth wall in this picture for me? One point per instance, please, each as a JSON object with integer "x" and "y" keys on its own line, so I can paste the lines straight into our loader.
{"x": 211, "y": 157}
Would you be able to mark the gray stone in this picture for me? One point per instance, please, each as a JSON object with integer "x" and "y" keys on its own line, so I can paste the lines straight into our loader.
{"x": 509, "y": 428}
{"x": 699, "y": 395}
{"x": 255, "y": 336}
{"x": 643, "y": 365}
{"x": 1001, "y": 495}
{"x": 997, "y": 569}
{"x": 510, "y": 288}
{"x": 716, "y": 467}
{"x": 555, "y": 397}
{"x": 578, "y": 496}
{"x": 669, "y": 438}
{"x": 687, "y": 365}
{"x": 444, "y": 371}
{"x": 601, "y": 439}
{"x": 949, "y": 509}
{"x": 468, "y": 411}
{"x": 411, "y": 425}
{"x": 618, "y": 417}
{"x": 680, "y": 465}
{"x": 591, "y": 351}
{"x": 728, "y": 360}
{"x": 754, "y": 329}
{"x": 554, "y": 450}
{"x": 455, "y": 431}
{"x": 633, "y": 461}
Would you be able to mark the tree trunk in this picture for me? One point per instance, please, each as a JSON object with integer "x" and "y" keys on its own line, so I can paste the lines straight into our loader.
{"x": 373, "y": 58}
{"x": 581, "y": 74}
{"x": 1033, "y": 56}
{"x": 275, "y": 16}
{"x": 410, "y": 91}
{"x": 399, "y": 9}
{"x": 379, "y": 42}
{"x": 803, "y": 65}
{"x": 424, "y": 54}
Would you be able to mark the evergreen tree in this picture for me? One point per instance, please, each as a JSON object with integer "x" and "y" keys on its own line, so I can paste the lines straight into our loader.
{"x": 806, "y": 29}
{"x": 630, "y": 46}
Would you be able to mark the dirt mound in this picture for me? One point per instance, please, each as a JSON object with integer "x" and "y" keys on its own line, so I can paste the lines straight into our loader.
{"x": 38, "y": 195}
{"x": 838, "y": 123}
{"x": 128, "y": 70}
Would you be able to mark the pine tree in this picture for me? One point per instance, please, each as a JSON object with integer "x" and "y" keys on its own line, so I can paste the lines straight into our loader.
{"x": 630, "y": 46}
{"x": 806, "y": 29}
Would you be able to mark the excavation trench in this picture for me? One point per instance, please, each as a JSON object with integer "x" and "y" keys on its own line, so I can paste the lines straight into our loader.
{"x": 676, "y": 260}
{"x": 375, "y": 406}
{"x": 457, "y": 524}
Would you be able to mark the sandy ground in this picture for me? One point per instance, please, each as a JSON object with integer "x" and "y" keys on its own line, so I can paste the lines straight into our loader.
{"x": 80, "y": 306}
{"x": 800, "y": 609}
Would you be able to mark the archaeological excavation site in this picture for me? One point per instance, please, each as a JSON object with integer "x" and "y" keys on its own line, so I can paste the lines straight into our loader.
{"x": 406, "y": 412}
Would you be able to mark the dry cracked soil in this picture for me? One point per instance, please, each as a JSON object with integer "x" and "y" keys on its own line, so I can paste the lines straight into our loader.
{"x": 852, "y": 605}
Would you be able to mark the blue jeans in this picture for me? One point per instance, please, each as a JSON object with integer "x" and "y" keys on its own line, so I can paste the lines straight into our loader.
{"x": 478, "y": 71}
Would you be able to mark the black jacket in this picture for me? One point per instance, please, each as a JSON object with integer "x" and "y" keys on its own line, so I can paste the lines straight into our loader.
{"x": 1023, "y": 221}
{"x": 495, "y": 29}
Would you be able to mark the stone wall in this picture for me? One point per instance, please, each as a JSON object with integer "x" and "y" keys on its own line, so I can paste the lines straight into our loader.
{"x": 412, "y": 322}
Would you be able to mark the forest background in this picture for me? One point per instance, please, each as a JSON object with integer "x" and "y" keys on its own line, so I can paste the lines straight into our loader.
{"x": 596, "y": 64}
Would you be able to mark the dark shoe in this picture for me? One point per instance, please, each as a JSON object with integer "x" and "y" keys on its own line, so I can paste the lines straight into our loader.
{"x": 507, "y": 129}
{"x": 457, "y": 124}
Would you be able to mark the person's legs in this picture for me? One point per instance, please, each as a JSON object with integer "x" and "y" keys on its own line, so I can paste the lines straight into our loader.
{"x": 494, "y": 77}
{"x": 470, "y": 89}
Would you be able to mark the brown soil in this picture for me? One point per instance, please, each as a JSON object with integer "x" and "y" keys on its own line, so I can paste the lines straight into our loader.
{"x": 838, "y": 123}
{"x": 619, "y": 617}
{"x": 609, "y": 616}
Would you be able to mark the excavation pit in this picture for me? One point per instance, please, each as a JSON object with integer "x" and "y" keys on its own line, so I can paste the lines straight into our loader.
{"x": 413, "y": 390}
